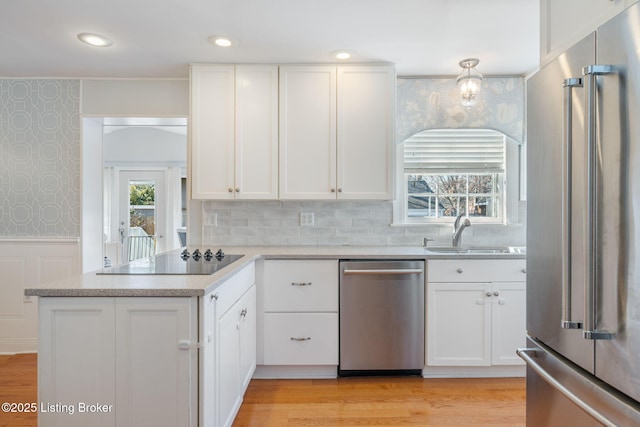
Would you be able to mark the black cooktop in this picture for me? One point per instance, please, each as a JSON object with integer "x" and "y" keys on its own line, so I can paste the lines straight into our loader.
{"x": 170, "y": 264}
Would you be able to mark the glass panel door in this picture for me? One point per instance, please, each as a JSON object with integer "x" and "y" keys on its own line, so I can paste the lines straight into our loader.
{"x": 142, "y": 213}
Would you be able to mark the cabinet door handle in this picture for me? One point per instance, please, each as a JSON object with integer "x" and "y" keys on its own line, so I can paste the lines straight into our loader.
{"x": 243, "y": 313}
{"x": 237, "y": 190}
{"x": 460, "y": 271}
{"x": 301, "y": 339}
{"x": 524, "y": 270}
{"x": 488, "y": 294}
{"x": 214, "y": 297}
{"x": 301, "y": 283}
{"x": 496, "y": 294}
{"x": 187, "y": 345}
{"x": 230, "y": 190}
{"x": 333, "y": 190}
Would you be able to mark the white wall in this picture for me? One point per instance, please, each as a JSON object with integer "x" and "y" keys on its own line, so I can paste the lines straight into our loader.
{"x": 150, "y": 146}
{"x": 135, "y": 98}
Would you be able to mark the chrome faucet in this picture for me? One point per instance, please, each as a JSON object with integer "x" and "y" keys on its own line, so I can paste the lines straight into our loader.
{"x": 458, "y": 229}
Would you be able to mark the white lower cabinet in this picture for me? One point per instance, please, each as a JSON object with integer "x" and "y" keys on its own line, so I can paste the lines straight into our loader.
{"x": 301, "y": 339}
{"x": 227, "y": 347}
{"x": 475, "y": 312}
{"x": 151, "y": 336}
{"x": 147, "y": 361}
{"x": 299, "y": 321}
{"x": 117, "y": 361}
{"x": 236, "y": 336}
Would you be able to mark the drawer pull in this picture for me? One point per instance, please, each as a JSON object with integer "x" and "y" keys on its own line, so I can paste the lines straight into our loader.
{"x": 300, "y": 339}
{"x": 300, "y": 283}
{"x": 460, "y": 271}
{"x": 524, "y": 270}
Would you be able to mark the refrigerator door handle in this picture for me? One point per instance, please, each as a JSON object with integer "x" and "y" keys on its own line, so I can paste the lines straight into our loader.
{"x": 529, "y": 355}
{"x": 566, "y": 321}
{"x": 590, "y": 331}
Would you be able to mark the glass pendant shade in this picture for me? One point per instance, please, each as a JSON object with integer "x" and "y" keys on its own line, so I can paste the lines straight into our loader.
{"x": 469, "y": 82}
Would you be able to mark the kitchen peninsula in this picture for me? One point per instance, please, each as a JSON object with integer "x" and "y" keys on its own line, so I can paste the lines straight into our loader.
{"x": 179, "y": 350}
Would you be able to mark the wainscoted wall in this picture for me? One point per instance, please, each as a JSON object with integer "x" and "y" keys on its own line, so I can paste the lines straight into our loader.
{"x": 422, "y": 103}
{"x": 25, "y": 263}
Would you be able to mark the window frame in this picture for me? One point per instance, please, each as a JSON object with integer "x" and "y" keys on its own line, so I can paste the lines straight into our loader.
{"x": 499, "y": 195}
{"x": 508, "y": 179}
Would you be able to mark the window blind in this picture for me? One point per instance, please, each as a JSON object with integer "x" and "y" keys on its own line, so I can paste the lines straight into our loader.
{"x": 455, "y": 151}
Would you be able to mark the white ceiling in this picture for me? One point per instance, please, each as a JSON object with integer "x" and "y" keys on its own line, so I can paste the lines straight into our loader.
{"x": 159, "y": 38}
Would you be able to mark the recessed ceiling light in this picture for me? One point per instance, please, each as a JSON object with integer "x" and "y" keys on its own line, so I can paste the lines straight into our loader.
{"x": 342, "y": 54}
{"x": 221, "y": 41}
{"x": 95, "y": 40}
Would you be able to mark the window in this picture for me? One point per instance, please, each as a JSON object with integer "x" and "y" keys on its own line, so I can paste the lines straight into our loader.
{"x": 450, "y": 172}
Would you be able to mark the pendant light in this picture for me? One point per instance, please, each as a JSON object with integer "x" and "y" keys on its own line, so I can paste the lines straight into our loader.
{"x": 469, "y": 81}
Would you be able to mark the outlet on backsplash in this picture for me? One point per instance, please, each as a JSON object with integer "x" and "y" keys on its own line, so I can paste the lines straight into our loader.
{"x": 211, "y": 219}
{"x": 307, "y": 219}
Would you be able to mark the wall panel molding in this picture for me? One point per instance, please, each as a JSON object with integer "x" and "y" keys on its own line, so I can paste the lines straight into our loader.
{"x": 25, "y": 263}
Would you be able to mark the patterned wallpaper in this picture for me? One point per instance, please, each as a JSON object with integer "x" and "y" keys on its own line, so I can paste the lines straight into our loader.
{"x": 433, "y": 103}
{"x": 39, "y": 158}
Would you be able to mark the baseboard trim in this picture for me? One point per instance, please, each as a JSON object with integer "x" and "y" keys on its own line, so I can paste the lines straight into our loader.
{"x": 12, "y": 346}
{"x": 295, "y": 372}
{"x": 473, "y": 371}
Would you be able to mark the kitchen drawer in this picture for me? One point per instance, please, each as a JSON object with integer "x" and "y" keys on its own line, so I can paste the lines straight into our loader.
{"x": 464, "y": 270}
{"x": 301, "y": 339}
{"x": 232, "y": 289}
{"x": 301, "y": 286}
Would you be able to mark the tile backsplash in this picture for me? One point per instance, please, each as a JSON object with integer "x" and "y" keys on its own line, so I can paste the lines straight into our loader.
{"x": 356, "y": 223}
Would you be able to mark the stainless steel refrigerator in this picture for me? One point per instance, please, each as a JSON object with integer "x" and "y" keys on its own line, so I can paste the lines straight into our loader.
{"x": 583, "y": 232}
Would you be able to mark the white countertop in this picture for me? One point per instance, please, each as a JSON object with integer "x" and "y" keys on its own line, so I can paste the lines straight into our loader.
{"x": 94, "y": 285}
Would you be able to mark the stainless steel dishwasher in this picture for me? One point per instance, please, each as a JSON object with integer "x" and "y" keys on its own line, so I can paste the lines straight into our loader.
{"x": 381, "y": 317}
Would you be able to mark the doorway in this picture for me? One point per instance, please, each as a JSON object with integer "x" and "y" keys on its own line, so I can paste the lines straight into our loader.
{"x": 141, "y": 213}
{"x": 120, "y": 153}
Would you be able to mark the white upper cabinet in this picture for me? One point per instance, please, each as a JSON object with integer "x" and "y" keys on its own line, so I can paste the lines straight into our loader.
{"x": 212, "y": 131}
{"x": 308, "y": 132}
{"x": 366, "y": 105}
{"x": 336, "y": 132}
{"x": 564, "y": 23}
{"x": 314, "y": 132}
{"x": 234, "y": 132}
{"x": 256, "y": 164}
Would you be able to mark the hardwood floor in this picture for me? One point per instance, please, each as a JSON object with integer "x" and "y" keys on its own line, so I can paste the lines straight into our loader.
{"x": 385, "y": 402}
{"x": 18, "y": 384}
{"x": 343, "y": 402}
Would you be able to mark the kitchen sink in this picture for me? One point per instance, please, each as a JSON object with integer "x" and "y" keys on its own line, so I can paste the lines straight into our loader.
{"x": 473, "y": 249}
